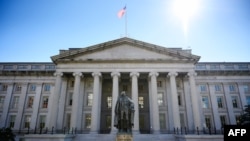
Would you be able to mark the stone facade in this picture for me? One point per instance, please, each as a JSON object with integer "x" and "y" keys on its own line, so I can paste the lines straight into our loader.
{"x": 171, "y": 90}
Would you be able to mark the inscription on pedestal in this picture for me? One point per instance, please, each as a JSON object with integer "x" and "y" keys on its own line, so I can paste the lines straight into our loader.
{"x": 124, "y": 137}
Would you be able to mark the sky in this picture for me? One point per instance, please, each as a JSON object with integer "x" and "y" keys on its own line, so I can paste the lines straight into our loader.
{"x": 35, "y": 30}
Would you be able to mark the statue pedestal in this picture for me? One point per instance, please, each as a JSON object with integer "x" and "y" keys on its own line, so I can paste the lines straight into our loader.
{"x": 124, "y": 137}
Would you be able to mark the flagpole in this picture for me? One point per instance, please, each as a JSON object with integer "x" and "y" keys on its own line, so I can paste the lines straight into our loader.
{"x": 126, "y": 21}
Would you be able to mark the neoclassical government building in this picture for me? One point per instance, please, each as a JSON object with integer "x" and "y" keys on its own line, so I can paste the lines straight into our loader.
{"x": 78, "y": 90}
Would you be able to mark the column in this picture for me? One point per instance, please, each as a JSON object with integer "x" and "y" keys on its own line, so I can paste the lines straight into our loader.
{"x": 229, "y": 104}
{"x": 174, "y": 96}
{"x": 54, "y": 100}
{"x": 214, "y": 104}
{"x": 169, "y": 105}
{"x": 188, "y": 102}
{"x": 6, "y": 106}
{"x": 135, "y": 76}
{"x": 21, "y": 104}
{"x": 115, "y": 91}
{"x": 61, "y": 105}
{"x": 242, "y": 95}
{"x": 95, "y": 114}
{"x": 154, "y": 103}
{"x": 75, "y": 106}
{"x": 36, "y": 106}
{"x": 195, "y": 101}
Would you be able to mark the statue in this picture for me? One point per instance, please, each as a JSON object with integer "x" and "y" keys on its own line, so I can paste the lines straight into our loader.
{"x": 124, "y": 114}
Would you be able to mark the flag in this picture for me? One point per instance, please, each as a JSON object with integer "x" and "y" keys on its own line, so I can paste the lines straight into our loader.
{"x": 121, "y": 12}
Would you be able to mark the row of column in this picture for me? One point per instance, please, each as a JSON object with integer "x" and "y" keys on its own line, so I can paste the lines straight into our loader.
{"x": 154, "y": 110}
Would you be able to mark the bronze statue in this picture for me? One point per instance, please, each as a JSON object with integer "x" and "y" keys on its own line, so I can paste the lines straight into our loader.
{"x": 124, "y": 114}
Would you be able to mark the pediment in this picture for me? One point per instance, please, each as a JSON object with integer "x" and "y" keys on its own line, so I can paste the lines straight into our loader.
{"x": 124, "y": 49}
{"x": 123, "y": 52}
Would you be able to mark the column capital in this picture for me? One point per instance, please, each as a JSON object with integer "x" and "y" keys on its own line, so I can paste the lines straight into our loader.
{"x": 77, "y": 74}
{"x": 58, "y": 74}
{"x": 174, "y": 74}
{"x": 192, "y": 74}
{"x": 115, "y": 74}
{"x": 153, "y": 74}
{"x": 134, "y": 74}
{"x": 96, "y": 74}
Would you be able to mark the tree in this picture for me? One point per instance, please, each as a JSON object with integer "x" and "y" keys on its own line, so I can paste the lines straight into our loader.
{"x": 6, "y": 134}
{"x": 245, "y": 117}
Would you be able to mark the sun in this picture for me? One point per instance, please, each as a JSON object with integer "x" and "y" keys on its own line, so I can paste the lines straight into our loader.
{"x": 185, "y": 10}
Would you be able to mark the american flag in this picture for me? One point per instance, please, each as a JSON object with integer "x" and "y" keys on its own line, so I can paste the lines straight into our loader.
{"x": 121, "y": 12}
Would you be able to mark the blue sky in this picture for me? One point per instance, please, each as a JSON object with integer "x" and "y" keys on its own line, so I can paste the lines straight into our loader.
{"x": 35, "y": 30}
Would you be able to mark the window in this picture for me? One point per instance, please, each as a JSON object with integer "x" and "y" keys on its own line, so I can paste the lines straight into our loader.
{"x": 141, "y": 102}
{"x": 68, "y": 118}
{"x": 87, "y": 121}
{"x": 72, "y": 83}
{"x": 214, "y": 67}
{"x": 141, "y": 88}
{"x": 45, "y": 102}
{"x": 243, "y": 66}
{"x": 205, "y": 103}
{"x": 201, "y": 67}
{"x": 70, "y": 99}
{"x": 109, "y": 101}
{"x": 27, "y": 119}
{"x": 237, "y": 118}
{"x": 18, "y": 87}
{"x": 141, "y": 121}
{"x": 15, "y": 102}
{"x": 159, "y": 84}
{"x": 42, "y": 121}
{"x": 22, "y": 67}
{"x": 248, "y": 100}
{"x": 3, "y": 87}
{"x": 231, "y": 88}
{"x": 208, "y": 121}
{"x": 179, "y": 99}
{"x": 32, "y": 87}
{"x": 49, "y": 67}
{"x": 203, "y": 88}
{"x": 35, "y": 67}
{"x": 235, "y": 101}
{"x": 1, "y": 101}
{"x": 219, "y": 102}
{"x": 217, "y": 88}
{"x": 108, "y": 122}
{"x": 30, "y": 102}
{"x": 124, "y": 88}
{"x": 223, "y": 120}
{"x": 160, "y": 99}
{"x": 47, "y": 87}
{"x": 8, "y": 67}
{"x": 246, "y": 88}
{"x": 90, "y": 99}
{"x": 12, "y": 121}
{"x": 162, "y": 121}
{"x": 229, "y": 66}
{"x": 182, "y": 120}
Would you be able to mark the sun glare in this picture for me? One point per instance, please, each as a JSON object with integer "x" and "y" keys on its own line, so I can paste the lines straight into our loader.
{"x": 185, "y": 10}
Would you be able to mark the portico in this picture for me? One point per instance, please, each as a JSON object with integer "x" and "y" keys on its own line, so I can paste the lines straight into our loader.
{"x": 152, "y": 76}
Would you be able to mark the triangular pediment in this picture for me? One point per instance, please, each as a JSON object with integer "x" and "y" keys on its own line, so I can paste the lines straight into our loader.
{"x": 124, "y": 49}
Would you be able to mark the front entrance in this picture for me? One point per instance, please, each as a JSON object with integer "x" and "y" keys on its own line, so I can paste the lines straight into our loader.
{"x": 124, "y": 85}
